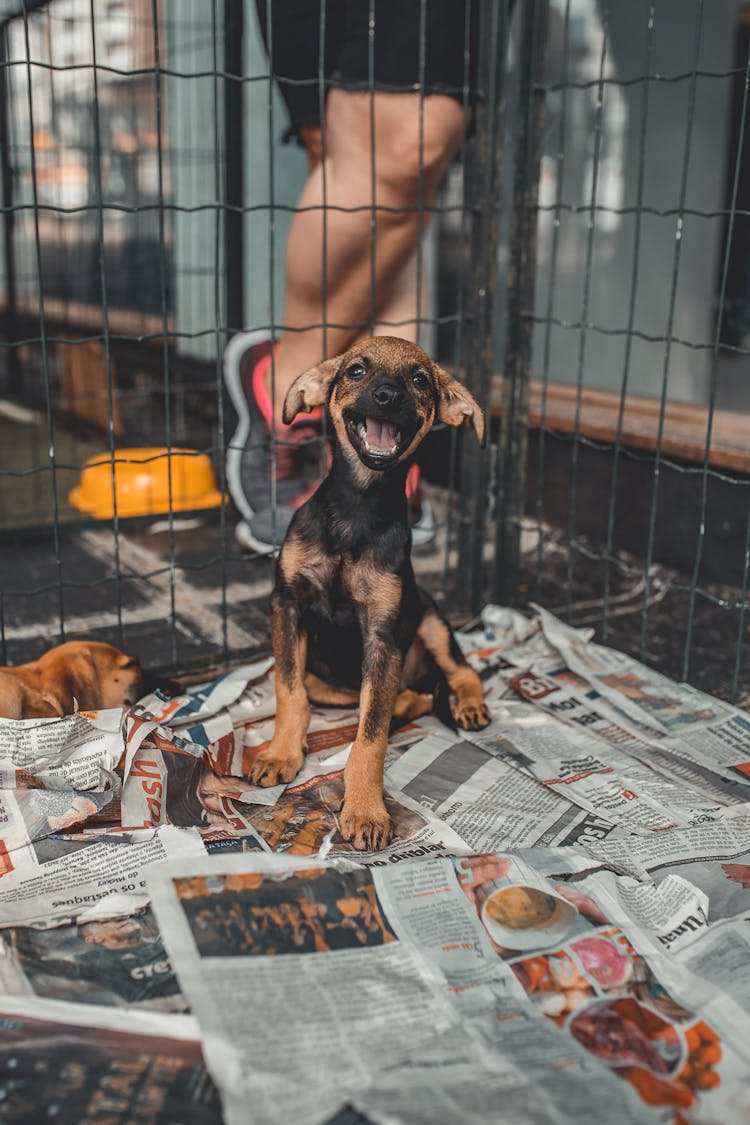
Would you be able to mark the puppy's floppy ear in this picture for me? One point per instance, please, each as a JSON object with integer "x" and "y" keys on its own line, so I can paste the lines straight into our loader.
{"x": 310, "y": 389}
{"x": 457, "y": 407}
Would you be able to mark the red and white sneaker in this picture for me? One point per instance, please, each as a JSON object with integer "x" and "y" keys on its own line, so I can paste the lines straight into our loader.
{"x": 270, "y": 473}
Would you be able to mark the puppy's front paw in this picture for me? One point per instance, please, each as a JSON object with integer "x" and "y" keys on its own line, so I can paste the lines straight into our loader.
{"x": 275, "y": 766}
{"x": 471, "y": 714}
{"x": 366, "y": 826}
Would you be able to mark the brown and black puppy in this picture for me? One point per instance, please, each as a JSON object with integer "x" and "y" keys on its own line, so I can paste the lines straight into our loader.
{"x": 88, "y": 674}
{"x": 348, "y": 621}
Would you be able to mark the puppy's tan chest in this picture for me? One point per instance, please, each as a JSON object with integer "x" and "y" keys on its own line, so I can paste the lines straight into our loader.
{"x": 360, "y": 580}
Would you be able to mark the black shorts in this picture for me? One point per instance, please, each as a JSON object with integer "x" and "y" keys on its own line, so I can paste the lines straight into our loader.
{"x": 422, "y": 46}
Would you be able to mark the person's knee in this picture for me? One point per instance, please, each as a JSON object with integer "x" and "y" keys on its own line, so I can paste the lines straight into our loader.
{"x": 415, "y": 141}
{"x": 411, "y": 161}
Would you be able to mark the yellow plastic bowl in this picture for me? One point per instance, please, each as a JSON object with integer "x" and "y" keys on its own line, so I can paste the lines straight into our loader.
{"x": 142, "y": 483}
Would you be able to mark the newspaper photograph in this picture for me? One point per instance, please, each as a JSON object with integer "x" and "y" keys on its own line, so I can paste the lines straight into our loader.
{"x": 117, "y": 962}
{"x": 29, "y": 815}
{"x": 306, "y": 819}
{"x": 82, "y": 1065}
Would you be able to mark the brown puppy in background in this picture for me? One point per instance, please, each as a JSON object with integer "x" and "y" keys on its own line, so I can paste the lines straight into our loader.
{"x": 87, "y": 675}
{"x": 348, "y": 622}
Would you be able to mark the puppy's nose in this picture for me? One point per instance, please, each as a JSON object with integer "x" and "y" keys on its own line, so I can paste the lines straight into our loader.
{"x": 388, "y": 394}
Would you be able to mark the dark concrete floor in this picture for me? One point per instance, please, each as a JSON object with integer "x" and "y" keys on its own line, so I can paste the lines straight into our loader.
{"x": 185, "y": 597}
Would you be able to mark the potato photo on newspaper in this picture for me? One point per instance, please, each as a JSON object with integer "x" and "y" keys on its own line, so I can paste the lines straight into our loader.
{"x": 519, "y": 908}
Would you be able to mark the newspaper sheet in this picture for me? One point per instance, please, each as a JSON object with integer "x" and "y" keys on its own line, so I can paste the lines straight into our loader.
{"x": 76, "y": 922}
{"x": 241, "y": 927}
{"x": 56, "y": 773}
{"x": 489, "y": 803}
{"x": 526, "y": 983}
{"x": 600, "y": 778}
{"x": 65, "y": 876}
{"x": 579, "y": 707}
{"x": 697, "y": 726}
{"x": 76, "y": 752}
{"x": 727, "y": 838}
{"x": 560, "y": 927}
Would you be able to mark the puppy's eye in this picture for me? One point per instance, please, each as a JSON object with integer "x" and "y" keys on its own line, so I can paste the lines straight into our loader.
{"x": 420, "y": 380}
{"x": 356, "y": 371}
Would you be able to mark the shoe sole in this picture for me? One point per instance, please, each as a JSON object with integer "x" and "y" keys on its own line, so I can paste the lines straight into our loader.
{"x": 231, "y": 365}
{"x": 244, "y": 536}
{"x": 423, "y": 531}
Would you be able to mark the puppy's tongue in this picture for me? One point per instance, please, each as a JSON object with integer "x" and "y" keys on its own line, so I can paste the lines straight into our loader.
{"x": 380, "y": 437}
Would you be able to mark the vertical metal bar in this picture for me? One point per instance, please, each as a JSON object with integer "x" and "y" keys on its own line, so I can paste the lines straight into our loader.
{"x": 670, "y": 323}
{"x": 165, "y": 329}
{"x": 10, "y": 319}
{"x": 460, "y": 289}
{"x": 483, "y": 184}
{"x": 233, "y": 164}
{"x": 220, "y": 226}
{"x": 588, "y": 270}
{"x": 322, "y": 101}
{"x": 105, "y": 321}
{"x": 323, "y": 27}
{"x": 43, "y": 333}
{"x": 715, "y": 377}
{"x": 554, "y": 251}
{"x": 272, "y": 260}
{"x": 511, "y": 461}
{"x": 420, "y": 170}
{"x": 631, "y": 318}
{"x": 373, "y": 199}
{"x": 742, "y": 614}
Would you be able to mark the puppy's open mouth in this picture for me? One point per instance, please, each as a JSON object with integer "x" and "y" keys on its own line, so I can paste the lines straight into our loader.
{"x": 381, "y": 439}
{"x": 375, "y": 440}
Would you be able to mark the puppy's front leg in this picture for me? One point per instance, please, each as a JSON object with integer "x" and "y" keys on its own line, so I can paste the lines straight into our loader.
{"x": 469, "y": 709}
{"x": 282, "y": 758}
{"x": 364, "y": 819}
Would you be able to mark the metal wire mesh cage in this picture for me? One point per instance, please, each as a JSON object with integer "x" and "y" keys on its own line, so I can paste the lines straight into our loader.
{"x": 582, "y": 265}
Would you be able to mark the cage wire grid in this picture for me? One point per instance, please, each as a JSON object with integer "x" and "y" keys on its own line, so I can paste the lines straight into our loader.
{"x": 651, "y": 574}
{"x": 149, "y": 253}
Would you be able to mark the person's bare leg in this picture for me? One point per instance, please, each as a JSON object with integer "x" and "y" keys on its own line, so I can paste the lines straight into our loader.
{"x": 397, "y": 312}
{"x": 405, "y": 174}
